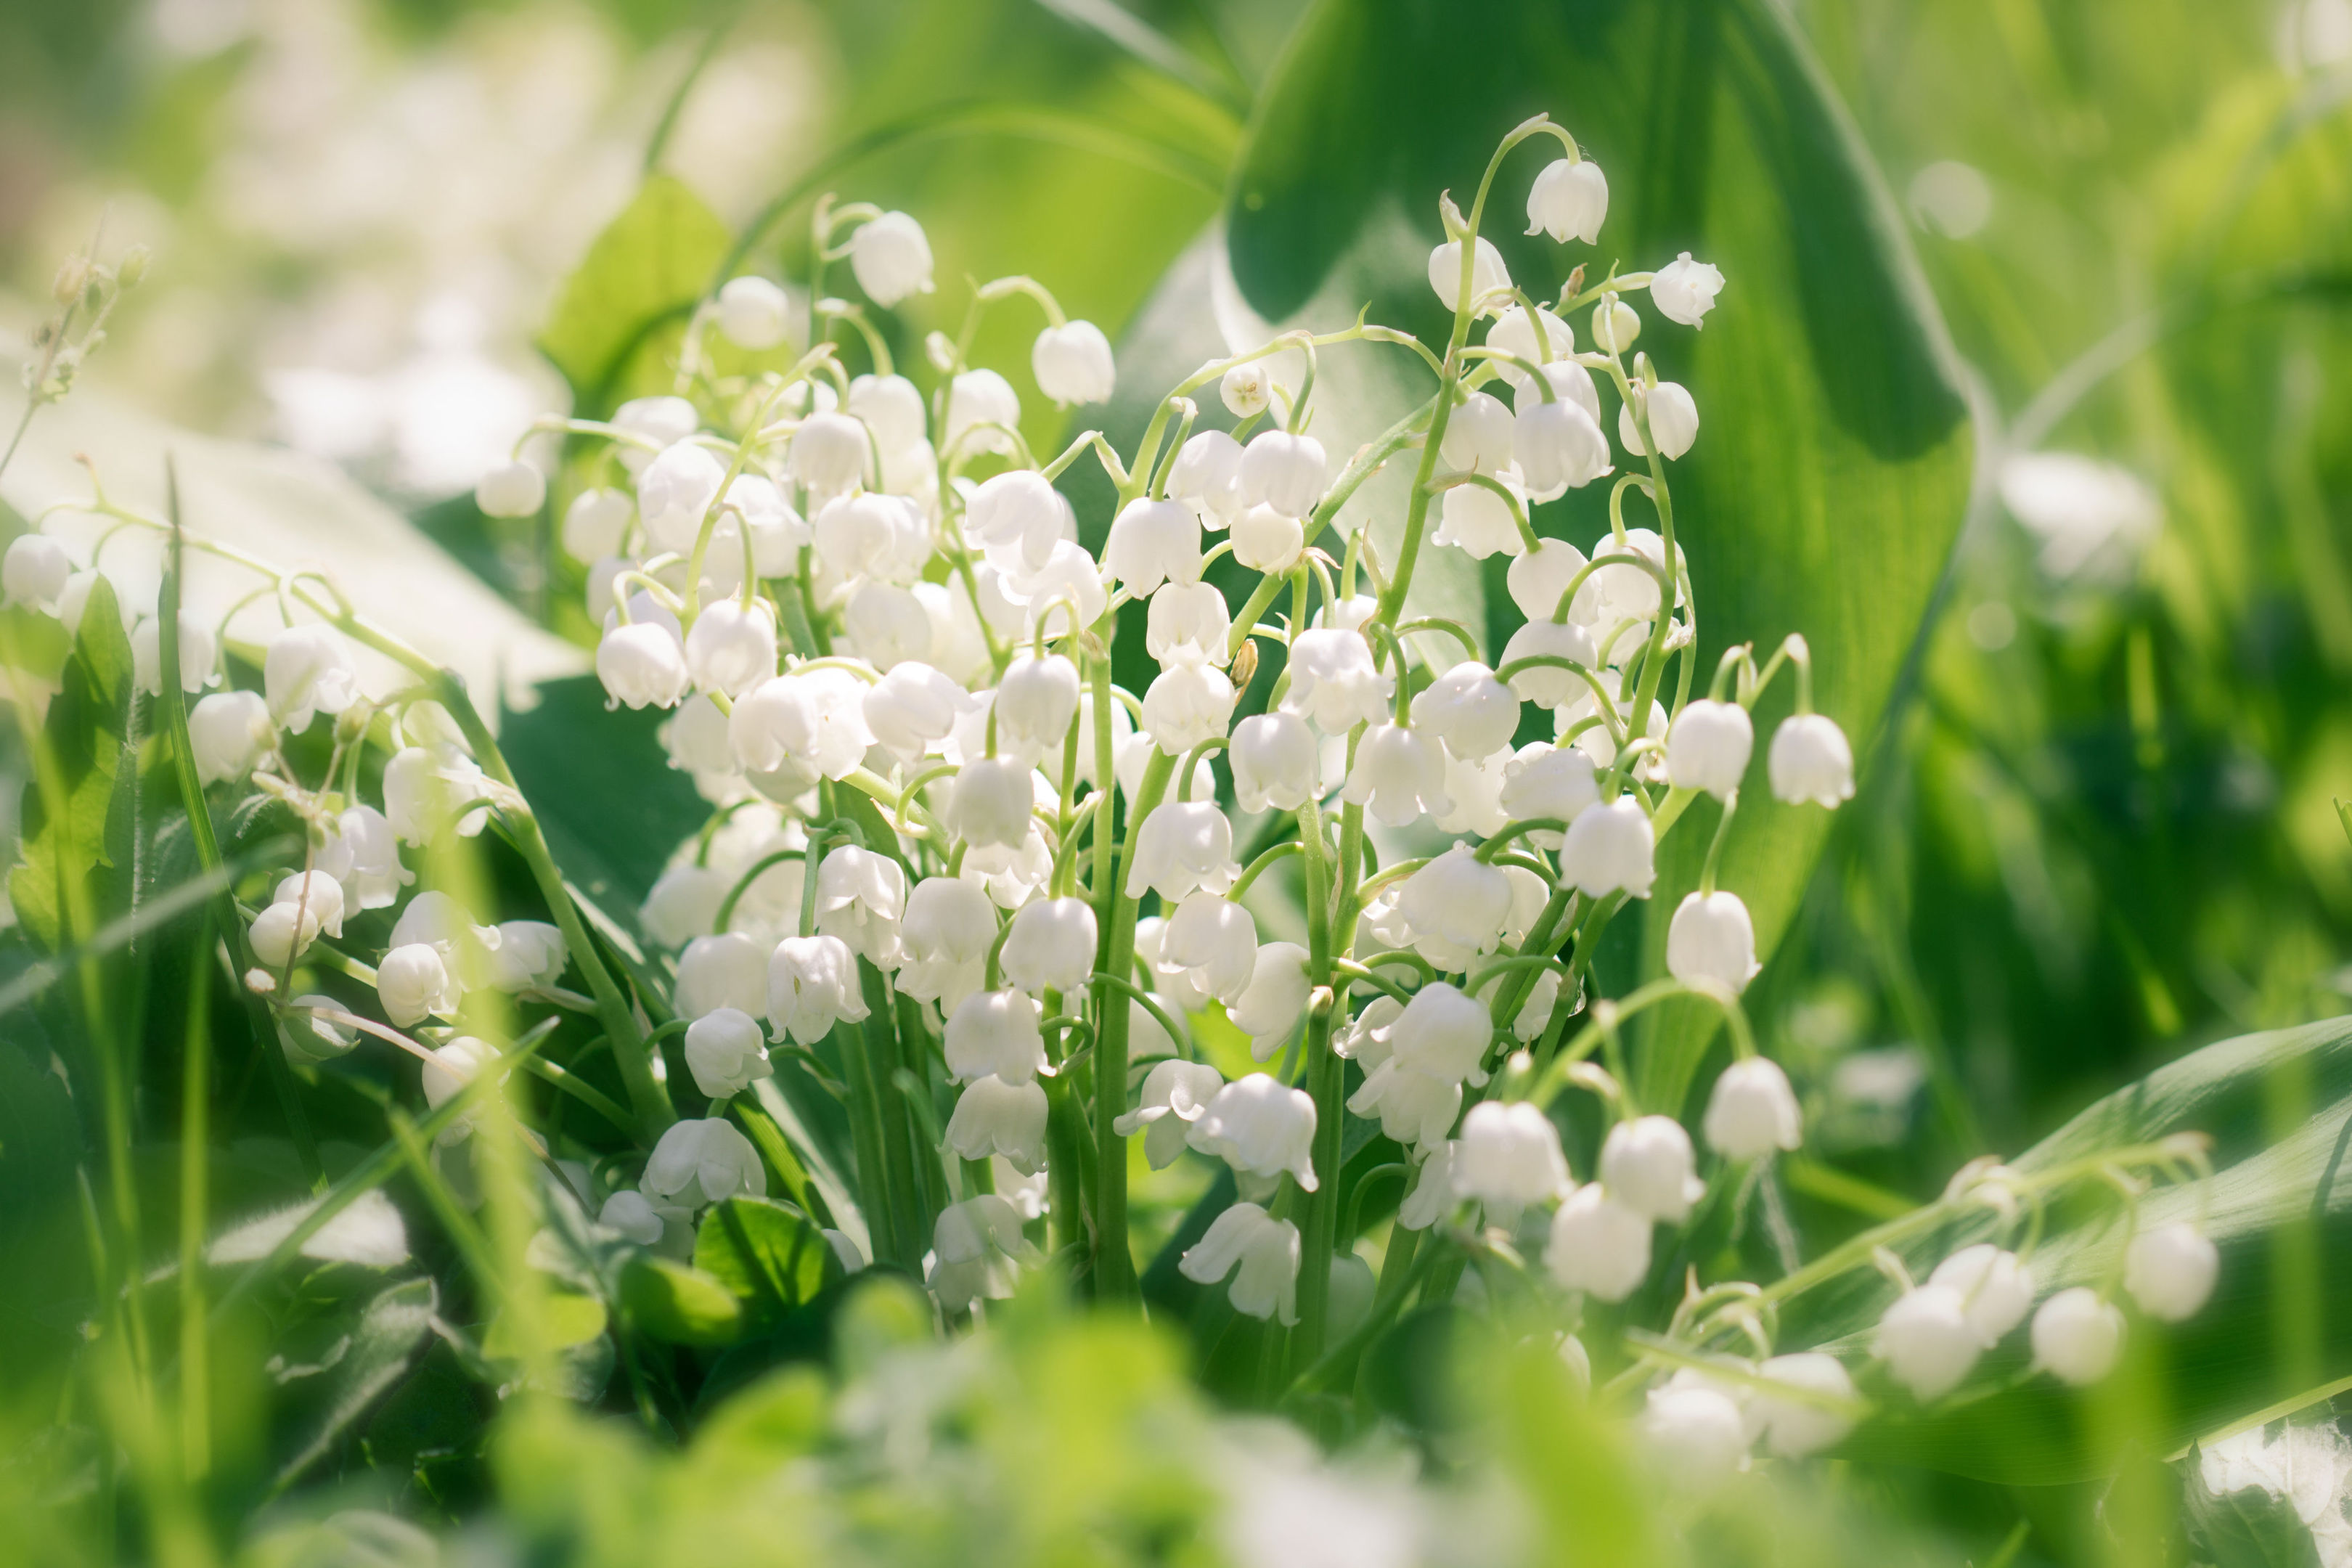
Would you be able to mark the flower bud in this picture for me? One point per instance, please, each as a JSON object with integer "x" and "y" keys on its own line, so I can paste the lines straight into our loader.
{"x": 1811, "y": 761}
{"x": 1334, "y": 682}
{"x": 2077, "y": 1337}
{"x": 1598, "y": 1245}
{"x": 642, "y": 663}
{"x": 1928, "y": 1342}
{"x": 1246, "y": 389}
{"x": 732, "y": 647}
{"x": 229, "y": 731}
{"x": 1265, "y": 1251}
{"x": 676, "y": 491}
{"x": 726, "y": 1052}
{"x": 891, "y": 258}
{"x": 34, "y": 571}
{"x": 1646, "y": 1165}
{"x": 1570, "y": 200}
{"x": 1174, "y": 1095}
{"x": 1151, "y": 543}
{"x": 994, "y": 1118}
{"x": 1674, "y": 420}
{"x": 1273, "y": 756}
{"x": 701, "y": 1162}
{"x": 1615, "y": 325}
{"x": 1207, "y": 476}
{"x": 1274, "y": 1003}
{"x": 1051, "y": 946}
{"x": 511, "y": 489}
{"x": 1073, "y": 363}
{"x": 1262, "y": 1130}
{"x": 2170, "y": 1270}
{"x": 1607, "y": 847}
{"x": 1181, "y": 846}
{"x": 995, "y": 1032}
{"x": 307, "y": 671}
{"x": 1683, "y": 290}
{"x": 1398, "y": 775}
{"x": 1487, "y": 275}
{"x": 753, "y": 312}
{"x": 1283, "y": 471}
{"x": 1711, "y": 938}
{"x": 812, "y": 982}
{"x": 1752, "y": 1111}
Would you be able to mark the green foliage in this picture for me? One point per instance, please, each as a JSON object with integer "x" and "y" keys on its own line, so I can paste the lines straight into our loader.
{"x": 616, "y": 329}
{"x": 768, "y": 1254}
{"x": 680, "y": 1304}
{"x": 77, "y": 758}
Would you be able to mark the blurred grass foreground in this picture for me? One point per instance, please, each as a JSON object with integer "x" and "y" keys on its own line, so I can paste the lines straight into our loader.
{"x": 2023, "y": 406}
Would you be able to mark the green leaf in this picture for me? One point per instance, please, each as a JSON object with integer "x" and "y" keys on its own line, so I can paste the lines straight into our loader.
{"x": 621, "y": 312}
{"x": 678, "y": 1304}
{"x": 770, "y": 1256}
{"x": 566, "y": 1319}
{"x": 1833, "y": 466}
{"x": 390, "y": 1331}
{"x": 80, "y": 751}
{"x": 2278, "y": 1108}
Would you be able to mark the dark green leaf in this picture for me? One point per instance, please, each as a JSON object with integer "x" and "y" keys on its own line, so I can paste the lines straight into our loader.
{"x": 68, "y": 803}
{"x": 679, "y": 1305}
{"x": 390, "y": 1332}
{"x": 768, "y": 1254}
{"x": 622, "y": 312}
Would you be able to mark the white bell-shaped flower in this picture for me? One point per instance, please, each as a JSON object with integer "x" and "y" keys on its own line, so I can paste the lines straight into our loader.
{"x": 1477, "y": 436}
{"x": 676, "y": 491}
{"x": 831, "y": 453}
{"x": 947, "y": 930}
{"x": 1468, "y": 708}
{"x": 1509, "y": 1158}
{"x": 1051, "y": 946}
{"x": 1268, "y": 540}
{"x": 976, "y": 1245}
{"x": 1265, "y": 1251}
{"x": 1514, "y": 332}
{"x": 1284, "y": 472}
{"x": 1188, "y": 624}
{"x": 1432, "y": 1198}
{"x": 511, "y": 489}
{"x": 1262, "y": 1130}
{"x": 1272, "y": 1005}
{"x": 229, "y": 731}
{"x": 1558, "y": 445}
{"x": 891, "y": 258}
{"x": 1551, "y": 686}
{"x": 1538, "y": 580}
{"x": 1610, "y": 846}
{"x": 1996, "y": 1288}
{"x": 1334, "y": 682}
{"x": 1598, "y": 1245}
{"x": 2170, "y": 1270}
{"x": 992, "y": 802}
{"x": 1683, "y": 290}
{"x": 864, "y": 534}
{"x": 414, "y": 983}
{"x": 1541, "y": 782}
{"x": 728, "y": 970}
{"x": 1708, "y": 745}
{"x": 726, "y": 1052}
{"x": 1693, "y": 1435}
{"x": 1570, "y": 200}
{"x": 1018, "y": 517}
{"x": 1186, "y": 705}
{"x": 732, "y": 647}
{"x": 812, "y": 983}
{"x": 1207, "y": 477}
{"x": 1647, "y": 1164}
{"x": 427, "y": 789}
{"x": 1478, "y": 523}
{"x": 1182, "y": 845}
{"x": 994, "y": 1119}
{"x": 1809, "y": 761}
{"x": 1175, "y": 1093}
{"x": 199, "y": 655}
{"x": 1751, "y": 1112}
{"x": 1711, "y": 938}
{"x": 812, "y": 720}
{"x": 1793, "y": 1428}
{"x": 1399, "y": 775}
{"x": 683, "y": 904}
{"x": 453, "y": 1067}
{"x": 753, "y": 312}
{"x": 884, "y": 624}
{"x": 1928, "y": 1342}
{"x": 1151, "y": 543}
{"x": 702, "y": 1161}
{"x": 527, "y": 955}
{"x": 1073, "y": 363}
{"x": 643, "y": 664}
{"x": 1442, "y": 1031}
{"x": 1413, "y": 1107}
{"x": 34, "y": 569}
{"x": 860, "y": 896}
{"x": 1456, "y": 906}
{"x": 1488, "y": 275}
{"x": 309, "y": 670}
{"x": 995, "y": 1032}
{"x": 1273, "y": 758}
{"x": 892, "y": 407}
{"x": 979, "y": 402}
{"x": 663, "y": 421}
{"x": 1674, "y": 420}
{"x": 596, "y": 522}
{"x": 1215, "y": 941}
{"x": 1615, "y": 325}
{"x": 1179, "y": 988}
{"x": 912, "y": 709}
{"x": 362, "y": 852}
{"x": 1246, "y": 389}
{"x": 1629, "y": 591}
{"x": 2077, "y": 1336}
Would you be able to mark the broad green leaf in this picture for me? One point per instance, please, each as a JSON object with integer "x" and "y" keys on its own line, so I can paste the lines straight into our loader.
{"x": 566, "y": 1319}
{"x": 771, "y": 1257}
{"x": 1833, "y": 465}
{"x": 623, "y": 311}
{"x": 2278, "y": 1108}
{"x": 392, "y": 1329}
{"x": 678, "y": 1304}
{"x": 79, "y": 751}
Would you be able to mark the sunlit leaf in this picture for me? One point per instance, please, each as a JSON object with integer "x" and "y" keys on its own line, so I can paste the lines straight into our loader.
{"x": 679, "y": 1304}
{"x": 771, "y": 1257}
{"x": 623, "y": 307}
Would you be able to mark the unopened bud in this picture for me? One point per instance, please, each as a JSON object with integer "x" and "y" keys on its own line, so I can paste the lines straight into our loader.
{"x": 940, "y": 349}
{"x": 1244, "y": 664}
{"x": 72, "y": 277}
{"x": 133, "y": 269}
{"x": 1456, "y": 225}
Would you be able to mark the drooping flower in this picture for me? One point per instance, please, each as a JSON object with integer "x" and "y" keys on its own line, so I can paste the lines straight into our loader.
{"x": 1751, "y": 1112}
{"x": 1006, "y": 1121}
{"x": 728, "y": 970}
{"x": 1334, "y": 682}
{"x": 1151, "y": 543}
{"x": 1685, "y": 291}
{"x": 1274, "y": 1003}
{"x": 1811, "y": 761}
{"x": 229, "y": 731}
{"x": 2077, "y": 1337}
{"x": 1175, "y": 1093}
{"x": 1610, "y": 846}
{"x": 1263, "y": 1130}
{"x": 1598, "y": 1245}
{"x": 975, "y": 1247}
{"x": 947, "y": 930}
{"x": 1283, "y": 471}
{"x": 309, "y": 670}
{"x": 726, "y": 1052}
{"x": 1570, "y": 200}
{"x": 1215, "y": 941}
{"x": 1456, "y": 906}
{"x": 812, "y": 982}
{"x": 1648, "y": 1165}
{"x": 891, "y": 258}
{"x": 1274, "y": 761}
{"x": 995, "y": 1032}
{"x": 753, "y": 312}
{"x": 1051, "y": 946}
{"x": 1398, "y": 775}
{"x": 1712, "y": 939}
{"x": 1265, "y": 1251}
{"x": 1182, "y": 845}
{"x": 1928, "y": 1342}
{"x": 1995, "y": 1287}
{"x": 1073, "y": 363}
{"x": 1509, "y": 1158}
{"x": 1490, "y": 277}
{"x": 2170, "y": 1270}
{"x": 860, "y": 896}
{"x": 1708, "y": 745}
{"x": 1673, "y": 414}
{"x": 702, "y": 1162}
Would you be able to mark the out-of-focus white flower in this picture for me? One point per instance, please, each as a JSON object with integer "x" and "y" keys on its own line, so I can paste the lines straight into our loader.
{"x": 527, "y": 953}
{"x": 992, "y": 802}
{"x": 831, "y": 453}
{"x": 309, "y": 670}
{"x": 1752, "y": 1111}
{"x": 1598, "y": 1245}
{"x": 596, "y": 522}
{"x": 310, "y": 1035}
{"x": 1648, "y": 1165}
{"x": 753, "y": 312}
{"x": 700, "y": 1162}
{"x": 1683, "y": 290}
{"x": 1568, "y": 201}
{"x": 2077, "y": 1337}
{"x": 1006, "y": 1121}
{"x": 2092, "y": 518}
{"x": 1073, "y": 363}
{"x": 1262, "y": 1130}
{"x": 812, "y": 720}
{"x": 1610, "y": 846}
{"x": 726, "y": 1052}
{"x": 229, "y": 731}
{"x": 1928, "y": 1342}
{"x": 1509, "y": 1158}
{"x": 2170, "y": 1270}
{"x": 724, "y": 971}
{"x": 975, "y": 1245}
{"x": 1266, "y": 1250}
{"x": 511, "y": 489}
{"x": 979, "y": 399}
{"x": 1794, "y": 1426}
{"x": 891, "y": 258}
{"x": 1995, "y": 1288}
{"x": 34, "y": 571}
{"x": 812, "y": 982}
{"x": 428, "y": 789}
{"x": 453, "y": 1067}
{"x": 676, "y": 489}
{"x": 1711, "y": 938}
{"x": 1175, "y": 1093}
{"x": 199, "y": 654}
{"x": 1692, "y": 1433}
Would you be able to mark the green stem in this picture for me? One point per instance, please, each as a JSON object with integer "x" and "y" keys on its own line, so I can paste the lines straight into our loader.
{"x": 1114, "y": 1267}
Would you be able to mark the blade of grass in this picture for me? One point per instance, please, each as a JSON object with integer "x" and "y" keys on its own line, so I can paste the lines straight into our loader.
{"x": 195, "y": 1098}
